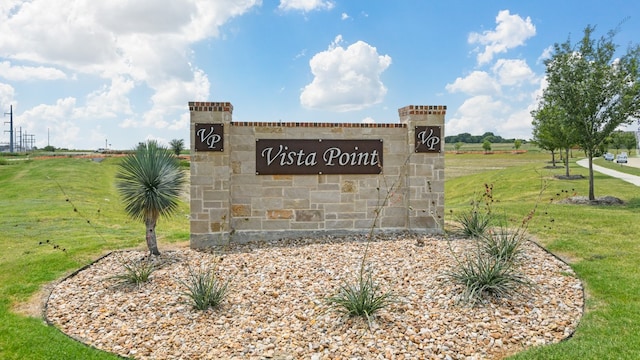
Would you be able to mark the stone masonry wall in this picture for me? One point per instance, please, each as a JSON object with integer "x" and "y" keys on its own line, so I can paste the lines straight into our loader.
{"x": 230, "y": 202}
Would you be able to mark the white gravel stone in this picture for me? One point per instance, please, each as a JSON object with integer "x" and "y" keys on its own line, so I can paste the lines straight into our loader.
{"x": 276, "y": 305}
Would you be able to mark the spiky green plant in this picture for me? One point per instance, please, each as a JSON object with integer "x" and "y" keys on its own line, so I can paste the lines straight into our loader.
{"x": 136, "y": 272}
{"x": 361, "y": 298}
{"x": 483, "y": 275}
{"x": 205, "y": 289}
{"x": 503, "y": 244}
{"x": 474, "y": 223}
{"x": 150, "y": 181}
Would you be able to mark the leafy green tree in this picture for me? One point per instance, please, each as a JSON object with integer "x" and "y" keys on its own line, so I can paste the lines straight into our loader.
{"x": 486, "y": 145}
{"x": 457, "y": 146}
{"x": 150, "y": 181}
{"x": 594, "y": 90}
{"x": 550, "y": 131}
{"x": 177, "y": 145}
{"x": 517, "y": 144}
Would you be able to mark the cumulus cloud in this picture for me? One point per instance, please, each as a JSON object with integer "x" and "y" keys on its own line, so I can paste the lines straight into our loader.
{"x": 120, "y": 45}
{"x": 476, "y": 83}
{"x": 305, "y": 5}
{"x": 511, "y": 31}
{"x": 513, "y": 72}
{"x": 346, "y": 79}
{"x": 22, "y": 73}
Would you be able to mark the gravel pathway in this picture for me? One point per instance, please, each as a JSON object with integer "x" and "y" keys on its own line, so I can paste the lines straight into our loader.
{"x": 276, "y": 308}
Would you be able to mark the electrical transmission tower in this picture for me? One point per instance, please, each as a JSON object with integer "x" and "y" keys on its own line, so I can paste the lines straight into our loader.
{"x": 10, "y": 113}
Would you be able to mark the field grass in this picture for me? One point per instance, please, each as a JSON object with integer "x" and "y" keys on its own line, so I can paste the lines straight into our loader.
{"x": 38, "y": 198}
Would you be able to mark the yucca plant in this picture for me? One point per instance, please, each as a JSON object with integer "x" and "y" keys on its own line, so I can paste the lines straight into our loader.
{"x": 485, "y": 275}
{"x": 361, "y": 298}
{"x": 135, "y": 272}
{"x": 150, "y": 181}
{"x": 205, "y": 289}
{"x": 503, "y": 244}
{"x": 474, "y": 223}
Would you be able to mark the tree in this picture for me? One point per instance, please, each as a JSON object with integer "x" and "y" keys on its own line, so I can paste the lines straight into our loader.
{"x": 177, "y": 145}
{"x": 457, "y": 146}
{"x": 550, "y": 131}
{"x": 517, "y": 144}
{"x": 486, "y": 145}
{"x": 594, "y": 91}
{"x": 150, "y": 181}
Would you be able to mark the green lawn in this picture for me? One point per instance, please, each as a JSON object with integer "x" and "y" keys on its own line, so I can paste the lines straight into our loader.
{"x": 38, "y": 198}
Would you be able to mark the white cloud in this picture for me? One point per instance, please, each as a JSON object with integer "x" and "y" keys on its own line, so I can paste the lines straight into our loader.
{"x": 511, "y": 31}
{"x": 346, "y": 79}
{"x": 344, "y": 16}
{"x": 22, "y": 73}
{"x": 7, "y": 93}
{"x": 118, "y": 46}
{"x": 368, "y": 120}
{"x": 477, "y": 115}
{"x": 305, "y": 5}
{"x": 513, "y": 72}
{"x": 476, "y": 83}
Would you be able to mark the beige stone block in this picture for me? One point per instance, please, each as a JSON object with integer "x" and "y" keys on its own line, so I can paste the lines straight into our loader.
{"x": 349, "y": 186}
{"x": 239, "y": 210}
{"x": 279, "y": 214}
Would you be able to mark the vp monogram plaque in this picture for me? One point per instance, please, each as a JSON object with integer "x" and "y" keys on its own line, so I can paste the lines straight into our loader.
{"x": 428, "y": 139}
{"x": 209, "y": 137}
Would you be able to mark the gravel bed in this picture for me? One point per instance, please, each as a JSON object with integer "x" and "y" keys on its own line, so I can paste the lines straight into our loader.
{"x": 276, "y": 306}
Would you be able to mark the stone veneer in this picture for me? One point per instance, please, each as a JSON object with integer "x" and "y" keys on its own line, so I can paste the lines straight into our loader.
{"x": 229, "y": 202}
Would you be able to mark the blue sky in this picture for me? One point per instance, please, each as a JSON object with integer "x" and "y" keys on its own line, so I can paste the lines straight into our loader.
{"x": 87, "y": 73}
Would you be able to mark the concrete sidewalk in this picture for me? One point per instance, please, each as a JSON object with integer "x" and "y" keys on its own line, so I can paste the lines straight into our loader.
{"x": 635, "y": 162}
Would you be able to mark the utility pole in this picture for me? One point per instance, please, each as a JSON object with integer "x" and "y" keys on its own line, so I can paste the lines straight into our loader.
{"x": 10, "y": 113}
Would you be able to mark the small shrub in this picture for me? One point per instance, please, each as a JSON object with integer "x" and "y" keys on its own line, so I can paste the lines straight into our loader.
{"x": 362, "y": 298}
{"x": 205, "y": 289}
{"x": 136, "y": 272}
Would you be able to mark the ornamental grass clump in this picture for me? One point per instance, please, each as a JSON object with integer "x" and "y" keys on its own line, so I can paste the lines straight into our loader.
{"x": 136, "y": 272}
{"x": 361, "y": 298}
{"x": 475, "y": 222}
{"x": 503, "y": 244}
{"x": 483, "y": 275}
{"x": 205, "y": 289}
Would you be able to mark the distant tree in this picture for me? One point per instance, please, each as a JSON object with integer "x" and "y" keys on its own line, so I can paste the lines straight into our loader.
{"x": 517, "y": 144}
{"x": 630, "y": 141}
{"x": 150, "y": 181}
{"x": 458, "y": 146}
{"x": 49, "y": 148}
{"x": 550, "y": 132}
{"x": 595, "y": 91}
{"x": 177, "y": 145}
{"x": 486, "y": 145}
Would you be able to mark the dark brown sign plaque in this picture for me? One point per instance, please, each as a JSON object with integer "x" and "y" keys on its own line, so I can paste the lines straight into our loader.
{"x": 428, "y": 139}
{"x": 209, "y": 137}
{"x": 306, "y": 157}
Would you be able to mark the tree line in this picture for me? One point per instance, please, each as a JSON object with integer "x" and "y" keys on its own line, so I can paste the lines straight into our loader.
{"x": 477, "y": 139}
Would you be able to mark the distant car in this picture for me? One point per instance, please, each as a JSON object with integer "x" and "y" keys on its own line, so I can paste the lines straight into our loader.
{"x": 621, "y": 158}
{"x": 608, "y": 156}
{"x": 101, "y": 150}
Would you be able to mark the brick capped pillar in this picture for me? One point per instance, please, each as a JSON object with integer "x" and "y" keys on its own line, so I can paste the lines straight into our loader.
{"x": 425, "y": 126}
{"x": 210, "y": 172}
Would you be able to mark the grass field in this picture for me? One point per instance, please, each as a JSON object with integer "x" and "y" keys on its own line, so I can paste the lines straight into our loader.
{"x": 58, "y": 215}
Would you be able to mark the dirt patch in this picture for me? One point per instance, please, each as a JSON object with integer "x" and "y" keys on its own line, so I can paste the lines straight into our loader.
{"x": 583, "y": 200}
{"x": 569, "y": 177}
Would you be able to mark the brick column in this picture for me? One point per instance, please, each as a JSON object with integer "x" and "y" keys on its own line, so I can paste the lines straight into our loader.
{"x": 210, "y": 172}
{"x": 426, "y": 169}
